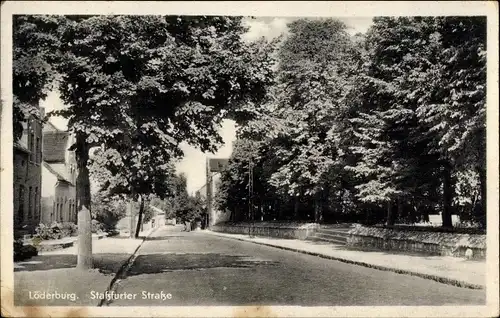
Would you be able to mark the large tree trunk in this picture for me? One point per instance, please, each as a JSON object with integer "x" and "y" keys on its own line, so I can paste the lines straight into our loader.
{"x": 324, "y": 203}
{"x": 317, "y": 207}
{"x": 130, "y": 208}
{"x": 139, "y": 221}
{"x": 263, "y": 211}
{"x": 447, "y": 196}
{"x": 296, "y": 208}
{"x": 391, "y": 217}
{"x": 83, "y": 200}
{"x": 399, "y": 211}
{"x": 278, "y": 209}
{"x": 423, "y": 210}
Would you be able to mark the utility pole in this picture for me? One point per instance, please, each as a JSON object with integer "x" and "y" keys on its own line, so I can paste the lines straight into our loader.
{"x": 250, "y": 195}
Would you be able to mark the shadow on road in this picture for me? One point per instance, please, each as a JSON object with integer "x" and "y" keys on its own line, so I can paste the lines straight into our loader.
{"x": 162, "y": 263}
{"x": 162, "y": 238}
{"x": 105, "y": 263}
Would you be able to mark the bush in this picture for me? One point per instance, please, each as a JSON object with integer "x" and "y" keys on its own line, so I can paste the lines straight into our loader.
{"x": 97, "y": 227}
{"x": 435, "y": 229}
{"x": 22, "y": 252}
{"x": 68, "y": 229}
{"x": 36, "y": 240}
{"x": 55, "y": 230}
{"x": 108, "y": 211}
{"x": 48, "y": 232}
{"x": 112, "y": 233}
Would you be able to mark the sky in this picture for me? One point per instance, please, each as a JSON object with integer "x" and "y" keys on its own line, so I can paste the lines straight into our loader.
{"x": 194, "y": 162}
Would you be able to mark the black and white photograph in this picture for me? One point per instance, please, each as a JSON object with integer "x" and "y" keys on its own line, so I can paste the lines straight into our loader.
{"x": 249, "y": 160}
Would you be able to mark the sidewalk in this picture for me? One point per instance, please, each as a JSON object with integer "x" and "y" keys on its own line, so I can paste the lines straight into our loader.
{"x": 448, "y": 270}
{"x": 55, "y": 272}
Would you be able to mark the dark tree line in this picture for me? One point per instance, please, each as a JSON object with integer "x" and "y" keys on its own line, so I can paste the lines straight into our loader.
{"x": 387, "y": 126}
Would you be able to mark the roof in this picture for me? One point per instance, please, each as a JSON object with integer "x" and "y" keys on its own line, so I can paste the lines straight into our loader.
{"x": 48, "y": 126}
{"x": 61, "y": 175}
{"x": 217, "y": 165}
{"x": 55, "y": 144}
{"x": 158, "y": 211}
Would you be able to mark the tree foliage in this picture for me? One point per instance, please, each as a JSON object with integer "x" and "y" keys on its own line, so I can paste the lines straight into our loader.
{"x": 186, "y": 207}
{"x": 35, "y": 50}
{"x": 383, "y": 126}
{"x": 108, "y": 210}
{"x": 139, "y": 85}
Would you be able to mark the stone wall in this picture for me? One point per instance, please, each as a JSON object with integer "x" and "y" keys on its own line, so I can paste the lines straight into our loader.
{"x": 433, "y": 243}
{"x": 268, "y": 229}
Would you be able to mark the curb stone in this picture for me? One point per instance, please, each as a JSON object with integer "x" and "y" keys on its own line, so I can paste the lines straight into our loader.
{"x": 121, "y": 273}
{"x": 440, "y": 279}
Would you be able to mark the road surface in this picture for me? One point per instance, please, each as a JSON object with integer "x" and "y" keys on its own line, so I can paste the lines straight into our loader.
{"x": 197, "y": 268}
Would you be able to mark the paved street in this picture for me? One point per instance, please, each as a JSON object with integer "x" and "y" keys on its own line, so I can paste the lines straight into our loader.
{"x": 201, "y": 269}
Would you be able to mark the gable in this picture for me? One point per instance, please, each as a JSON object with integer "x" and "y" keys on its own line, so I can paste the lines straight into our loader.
{"x": 49, "y": 127}
{"x": 58, "y": 171}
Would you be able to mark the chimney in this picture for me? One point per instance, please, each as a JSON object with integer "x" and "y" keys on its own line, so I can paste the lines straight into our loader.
{"x": 42, "y": 113}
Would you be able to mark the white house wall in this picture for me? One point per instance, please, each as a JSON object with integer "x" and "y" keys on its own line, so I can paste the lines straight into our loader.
{"x": 49, "y": 181}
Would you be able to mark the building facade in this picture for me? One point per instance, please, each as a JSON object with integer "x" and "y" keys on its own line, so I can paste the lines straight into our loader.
{"x": 213, "y": 167}
{"x": 58, "y": 176}
{"x": 27, "y": 155}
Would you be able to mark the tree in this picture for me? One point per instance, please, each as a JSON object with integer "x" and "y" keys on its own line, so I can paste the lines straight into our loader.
{"x": 35, "y": 54}
{"x": 232, "y": 192}
{"x": 164, "y": 79}
{"x": 407, "y": 125}
{"x": 392, "y": 143}
{"x": 140, "y": 178}
{"x": 453, "y": 99}
{"x": 108, "y": 210}
{"x": 317, "y": 64}
{"x": 297, "y": 137}
{"x": 181, "y": 202}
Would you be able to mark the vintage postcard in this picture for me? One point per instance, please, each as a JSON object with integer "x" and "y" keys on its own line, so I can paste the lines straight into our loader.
{"x": 249, "y": 159}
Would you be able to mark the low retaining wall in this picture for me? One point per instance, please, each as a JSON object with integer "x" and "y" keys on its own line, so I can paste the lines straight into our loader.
{"x": 434, "y": 243}
{"x": 268, "y": 229}
{"x": 52, "y": 245}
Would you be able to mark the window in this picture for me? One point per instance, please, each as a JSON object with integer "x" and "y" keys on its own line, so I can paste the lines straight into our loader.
{"x": 21, "y": 203}
{"x": 61, "y": 211}
{"x": 30, "y": 202}
{"x": 72, "y": 210}
{"x": 58, "y": 210}
{"x": 54, "y": 211}
{"x": 36, "y": 203}
{"x": 32, "y": 147}
{"x": 65, "y": 209}
{"x": 38, "y": 150}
